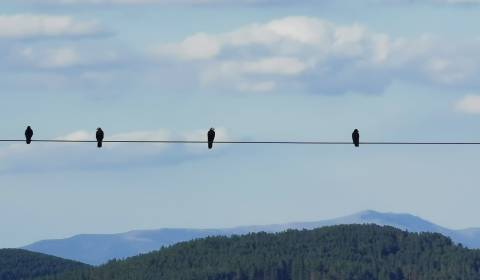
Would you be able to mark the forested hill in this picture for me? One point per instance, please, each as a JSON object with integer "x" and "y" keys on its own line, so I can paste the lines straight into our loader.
{"x": 20, "y": 264}
{"x": 338, "y": 252}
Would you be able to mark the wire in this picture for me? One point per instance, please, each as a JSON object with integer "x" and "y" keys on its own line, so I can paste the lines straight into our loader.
{"x": 245, "y": 142}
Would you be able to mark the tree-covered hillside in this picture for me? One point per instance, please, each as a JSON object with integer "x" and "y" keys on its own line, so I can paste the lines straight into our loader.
{"x": 20, "y": 264}
{"x": 339, "y": 252}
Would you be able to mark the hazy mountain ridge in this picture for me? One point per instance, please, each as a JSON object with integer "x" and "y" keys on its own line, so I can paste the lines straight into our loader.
{"x": 336, "y": 252}
{"x": 98, "y": 249}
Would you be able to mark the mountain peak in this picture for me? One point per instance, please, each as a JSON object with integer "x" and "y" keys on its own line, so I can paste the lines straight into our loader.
{"x": 400, "y": 220}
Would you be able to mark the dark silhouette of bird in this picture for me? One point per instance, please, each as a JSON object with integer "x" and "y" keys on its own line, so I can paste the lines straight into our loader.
{"x": 28, "y": 135}
{"x": 211, "y": 137}
{"x": 100, "y": 136}
{"x": 356, "y": 138}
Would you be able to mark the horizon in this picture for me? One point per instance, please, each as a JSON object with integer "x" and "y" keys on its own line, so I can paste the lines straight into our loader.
{"x": 368, "y": 211}
{"x": 262, "y": 70}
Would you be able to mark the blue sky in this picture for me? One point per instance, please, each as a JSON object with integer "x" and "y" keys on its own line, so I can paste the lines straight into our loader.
{"x": 255, "y": 70}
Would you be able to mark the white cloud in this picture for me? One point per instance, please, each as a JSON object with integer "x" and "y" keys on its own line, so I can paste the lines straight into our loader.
{"x": 22, "y": 26}
{"x": 307, "y": 53}
{"x": 142, "y": 135}
{"x": 246, "y": 59}
{"x": 292, "y": 54}
{"x": 469, "y": 104}
{"x": 30, "y": 44}
{"x": 58, "y": 58}
{"x": 80, "y": 135}
{"x": 48, "y": 57}
{"x": 198, "y": 46}
{"x": 281, "y": 66}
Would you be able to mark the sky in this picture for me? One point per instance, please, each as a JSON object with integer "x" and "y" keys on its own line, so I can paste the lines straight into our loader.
{"x": 256, "y": 70}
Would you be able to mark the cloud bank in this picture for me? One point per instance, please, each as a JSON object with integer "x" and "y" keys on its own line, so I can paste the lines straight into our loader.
{"x": 310, "y": 54}
{"x": 27, "y": 26}
{"x": 291, "y": 54}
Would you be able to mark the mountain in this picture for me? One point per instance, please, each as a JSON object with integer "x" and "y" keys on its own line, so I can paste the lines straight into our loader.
{"x": 98, "y": 249}
{"x": 338, "y": 252}
{"x": 22, "y": 264}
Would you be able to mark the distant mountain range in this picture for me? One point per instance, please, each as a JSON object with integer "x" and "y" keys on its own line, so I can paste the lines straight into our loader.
{"x": 331, "y": 252}
{"x": 336, "y": 252}
{"x": 97, "y": 249}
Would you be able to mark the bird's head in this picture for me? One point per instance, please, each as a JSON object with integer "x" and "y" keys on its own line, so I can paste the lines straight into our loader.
{"x": 98, "y": 129}
{"x": 212, "y": 129}
{"x": 356, "y": 131}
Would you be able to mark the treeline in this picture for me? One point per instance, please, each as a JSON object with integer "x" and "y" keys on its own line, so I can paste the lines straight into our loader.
{"x": 340, "y": 252}
{"x": 20, "y": 264}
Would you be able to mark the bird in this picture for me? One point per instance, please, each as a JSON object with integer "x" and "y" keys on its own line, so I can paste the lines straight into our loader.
{"x": 356, "y": 138}
{"x": 211, "y": 137}
{"x": 28, "y": 135}
{"x": 100, "y": 136}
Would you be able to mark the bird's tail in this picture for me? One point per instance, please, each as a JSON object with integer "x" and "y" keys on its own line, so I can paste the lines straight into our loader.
{"x": 210, "y": 145}
{"x": 29, "y": 141}
{"x": 99, "y": 144}
{"x": 357, "y": 144}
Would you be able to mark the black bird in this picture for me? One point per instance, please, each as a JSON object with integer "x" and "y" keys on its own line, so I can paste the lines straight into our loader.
{"x": 211, "y": 137}
{"x": 100, "y": 136}
{"x": 356, "y": 138}
{"x": 28, "y": 134}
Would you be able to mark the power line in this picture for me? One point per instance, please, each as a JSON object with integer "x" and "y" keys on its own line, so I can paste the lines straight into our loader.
{"x": 246, "y": 142}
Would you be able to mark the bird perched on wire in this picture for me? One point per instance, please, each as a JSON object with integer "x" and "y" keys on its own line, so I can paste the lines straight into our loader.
{"x": 28, "y": 135}
{"x": 99, "y": 136}
{"x": 356, "y": 138}
{"x": 211, "y": 137}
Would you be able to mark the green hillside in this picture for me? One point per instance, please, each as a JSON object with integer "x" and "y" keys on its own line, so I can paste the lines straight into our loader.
{"x": 339, "y": 252}
{"x": 20, "y": 264}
